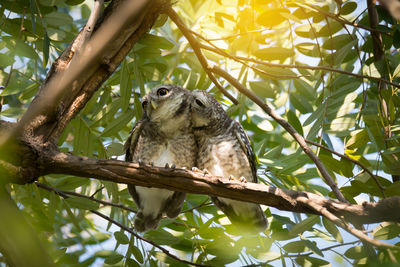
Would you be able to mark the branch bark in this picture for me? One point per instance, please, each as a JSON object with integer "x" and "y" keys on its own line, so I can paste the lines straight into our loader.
{"x": 199, "y": 183}
{"x": 71, "y": 83}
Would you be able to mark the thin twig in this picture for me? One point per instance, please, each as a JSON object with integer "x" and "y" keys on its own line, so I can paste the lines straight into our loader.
{"x": 292, "y": 66}
{"x": 322, "y": 249}
{"x": 362, "y": 166}
{"x": 145, "y": 240}
{"x": 223, "y": 53}
{"x": 89, "y": 27}
{"x": 203, "y": 61}
{"x": 342, "y": 20}
{"x": 341, "y": 223}
{"x": 66, "y": 194}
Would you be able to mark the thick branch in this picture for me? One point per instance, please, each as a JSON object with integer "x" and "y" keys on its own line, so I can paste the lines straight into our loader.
{"x": 71, "y": 83}
{"x": 200, "y": 183}
{"x": 393, "y": 6}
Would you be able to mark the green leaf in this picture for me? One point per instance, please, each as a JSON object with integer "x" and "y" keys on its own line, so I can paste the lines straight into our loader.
{"x": 162, "y": 237}
{"x": 332, "y": 229}
{"x": 356, "y": 252}
{"x": 391, "y": 150}
{"x": 20, "y": 47}
{"x": 51, "y": 2}
{"x": 303, "y": 88}
{"x": 58, "y": 18}
{"x": 115, "y": 149}
{"x": 300, "y": 103}
{"x": 263, "y": 89}
{"x": 337, "y": 42}
{"x": 155, "y": 41}
{"x": 330, "y": 29}
{"x": 6, "y": 60}
{"x": 304, "y": 225}
{"x": 295, "y": 247}
{"x": 358, "y": 139}
{"x": 311, "y": 261}
{"x": 274, "y": 53}
{"x": 96, "y": 238}
{"x": 340, "y": 167}
{"x": 307, "y": 30}
{"x": 312, "y": 245}
{"x": 137, "y": 253}
{"x": 56, "y": 34}
{"x": 343, "y": 123}
{"x": 387, "y": 231}
{"x": 125, "y": 86}
{"x": 121, "y": 237}
{"x": 308, "y": 49}
{"x": 294, "y": 121}
{"x": 46, "y": 47}
{"x": 82, "y": 203}
{"x": 348, "y": 8}
{"x": 272, "y": 17}
{"x": 132, "y": 263}
{"x": 114, "y": 259}
{"x": 343, "y": 52}
{"x": 119, "y": 123}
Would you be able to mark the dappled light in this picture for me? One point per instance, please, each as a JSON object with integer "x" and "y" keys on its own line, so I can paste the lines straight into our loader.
{"x": 314, "y": 84}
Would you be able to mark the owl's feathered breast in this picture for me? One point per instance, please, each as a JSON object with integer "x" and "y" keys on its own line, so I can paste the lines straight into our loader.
{"x": 224, "y": 155}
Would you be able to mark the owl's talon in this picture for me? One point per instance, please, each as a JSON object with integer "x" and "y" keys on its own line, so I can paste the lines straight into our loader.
{"x": 173, "y": 166}
{"x": 205, "y": 171}
{"x": 231, "y": 177}
{"x": 242, "y": 179}
{"x": 195, "y": 169}
{"x": 141, "y": 163}
{"x": 166, "y": 165}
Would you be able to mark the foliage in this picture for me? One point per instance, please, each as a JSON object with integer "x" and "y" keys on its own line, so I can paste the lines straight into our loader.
{"x": 331, "y": 105}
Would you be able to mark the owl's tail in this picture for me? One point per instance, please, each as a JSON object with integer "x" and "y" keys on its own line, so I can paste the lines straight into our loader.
{"x": 248, "y": 217}
{"x": 144, "y": 223}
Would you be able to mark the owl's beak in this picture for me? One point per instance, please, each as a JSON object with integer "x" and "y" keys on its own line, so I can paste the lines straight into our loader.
{"x": 154, "y": 104}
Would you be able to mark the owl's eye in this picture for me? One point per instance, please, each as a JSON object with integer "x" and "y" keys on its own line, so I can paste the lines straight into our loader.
{"x": 198, "y": 102}
{"x": 162, "y": 92}
{"x": 144, "y": 104}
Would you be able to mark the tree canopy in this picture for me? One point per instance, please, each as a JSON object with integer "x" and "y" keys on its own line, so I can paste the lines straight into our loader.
{"x": 315, "y": 84}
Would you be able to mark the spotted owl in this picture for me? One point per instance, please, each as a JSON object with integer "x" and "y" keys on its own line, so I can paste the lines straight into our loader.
{"x": 163, "y": 136}
{"x": 224, "y": 150}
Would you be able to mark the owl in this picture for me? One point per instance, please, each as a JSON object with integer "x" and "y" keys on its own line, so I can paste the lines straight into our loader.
{"x": 224, "y": 150}
{"x": 162, "y": 137}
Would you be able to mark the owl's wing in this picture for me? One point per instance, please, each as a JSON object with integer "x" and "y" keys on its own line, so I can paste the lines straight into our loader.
{"x": 246, "y": 147}
{"x": 132, "y": 140}
{"x": 129, "y": 148}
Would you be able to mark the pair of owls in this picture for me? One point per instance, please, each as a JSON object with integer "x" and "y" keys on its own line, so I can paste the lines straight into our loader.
{"x": 185, "y": 128}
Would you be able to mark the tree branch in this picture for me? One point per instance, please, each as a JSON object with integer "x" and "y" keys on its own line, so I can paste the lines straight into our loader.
{"x": 293, "y": 66}
{"x": 169, "y": 254}
{"x": 65, "y": 194}
{"x": 71, "y": 83}
{"x": 199, "y": 183}
{"x": 362, "y": 166}
{"x": 393, "y": 6}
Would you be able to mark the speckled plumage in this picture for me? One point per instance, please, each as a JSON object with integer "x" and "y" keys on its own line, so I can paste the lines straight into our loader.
{"x": 224, "y": 149}
{"x": 163, "y": 135}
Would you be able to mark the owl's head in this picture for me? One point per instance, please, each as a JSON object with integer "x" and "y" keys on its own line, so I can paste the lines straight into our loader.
{"x": 206, "y": 111}
{"x": 165, "y": 102}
